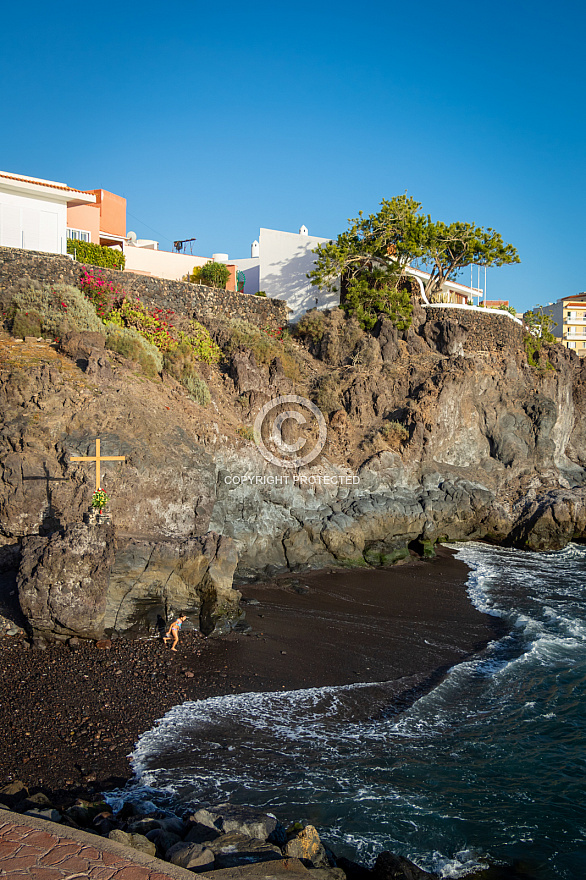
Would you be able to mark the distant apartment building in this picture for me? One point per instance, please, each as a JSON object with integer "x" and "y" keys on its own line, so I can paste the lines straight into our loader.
{"x": 569, "y": 313}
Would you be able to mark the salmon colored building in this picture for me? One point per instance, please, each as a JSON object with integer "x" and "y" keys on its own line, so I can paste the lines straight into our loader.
{"x": 103, "y": 222}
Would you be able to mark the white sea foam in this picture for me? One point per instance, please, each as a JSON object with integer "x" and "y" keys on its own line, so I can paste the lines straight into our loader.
{"x": 342, "y": 757}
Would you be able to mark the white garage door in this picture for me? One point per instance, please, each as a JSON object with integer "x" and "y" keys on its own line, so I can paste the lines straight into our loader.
{"x": 29, "y": 227}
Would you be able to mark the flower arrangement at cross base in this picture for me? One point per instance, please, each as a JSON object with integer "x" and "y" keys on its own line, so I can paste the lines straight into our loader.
{"x": 99, "y": 500}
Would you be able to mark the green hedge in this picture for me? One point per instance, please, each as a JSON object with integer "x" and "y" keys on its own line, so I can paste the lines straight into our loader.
{"x": 95, "y": 254}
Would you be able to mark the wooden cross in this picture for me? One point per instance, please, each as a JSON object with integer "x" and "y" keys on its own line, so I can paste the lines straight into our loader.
{"x": 98, "y": 458}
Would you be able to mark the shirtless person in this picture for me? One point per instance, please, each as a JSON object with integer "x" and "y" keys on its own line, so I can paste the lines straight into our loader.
{"x": 174, "y": 631}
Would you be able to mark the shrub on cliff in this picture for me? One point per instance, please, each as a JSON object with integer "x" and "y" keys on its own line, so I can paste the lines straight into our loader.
{"x": 311, "y": 326}
{"x": 394, "y": 432}
{"x": 51, "y": 311}
{"x": 130, "y": 344}
{"x": 198, "y": 390}
{"x": 157, "y": 327}
{"x": 326, "y": 395}
{"x": 202, "y": 345}
{"x": 153, "y": 325}
{"x": 103, "y": 294}
{"x": 266, "y": 343}
{"x": 330, "y": 335}
{"x": 182, "y": 363}
{"x": 539, "y": 325}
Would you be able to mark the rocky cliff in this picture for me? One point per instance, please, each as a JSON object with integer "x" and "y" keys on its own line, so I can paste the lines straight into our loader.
{"x": 434, "y": 437}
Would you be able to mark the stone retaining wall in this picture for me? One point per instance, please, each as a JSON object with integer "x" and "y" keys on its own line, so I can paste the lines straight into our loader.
{"x": 484, "y": 332}
{"x": 195, "y": 300}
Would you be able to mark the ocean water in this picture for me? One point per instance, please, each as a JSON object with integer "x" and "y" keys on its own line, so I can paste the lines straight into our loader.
{"x": 489, "y": 767}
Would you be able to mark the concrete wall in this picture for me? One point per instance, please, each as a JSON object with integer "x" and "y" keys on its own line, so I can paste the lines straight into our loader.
{"x": 206, "y": 304}
{"x": 161, "y": 264}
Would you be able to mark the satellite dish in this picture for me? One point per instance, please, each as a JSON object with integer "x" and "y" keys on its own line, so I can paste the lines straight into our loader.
{"x": 131, "y": 237}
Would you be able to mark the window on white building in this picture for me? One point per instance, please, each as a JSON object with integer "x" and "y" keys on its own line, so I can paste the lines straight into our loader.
{"x": 78, "y": 234}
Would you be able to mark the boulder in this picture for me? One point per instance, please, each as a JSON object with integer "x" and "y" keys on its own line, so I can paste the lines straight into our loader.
{"x": 37, "y": 801}
{"x": 328, "y": 874}
{"x": 48, "y": 814}
{"x": 80, "y": 347}
{"x": 233, "y": 850}
{"x": 445, "y": 335}
{"x": 192, "y": 856}
{"x": 14, "y": 794}
{"x": 162, "y": 839}
{"x": 287, "y": 869}
{"x": 307, "y": 846}
{"x": 134, "y": 841}
{"x": 199, "y": 833}
{"x": 174, "y": 824}
{"x": 63, "y": 581}
{"x": 143, "y": 825}
{"x": 246, "y": 373}
{"x": 244, "y": 820}
{"x": 388, "y": 338}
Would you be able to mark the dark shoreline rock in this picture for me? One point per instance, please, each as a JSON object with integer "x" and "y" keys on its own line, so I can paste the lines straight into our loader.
{"x": 63, "y": 581}
{"x": 246, "y": 841}
{"x": 80, "y": 582}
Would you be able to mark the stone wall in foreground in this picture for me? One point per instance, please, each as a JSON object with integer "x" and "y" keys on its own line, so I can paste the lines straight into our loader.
{"x": 194, "y": 300}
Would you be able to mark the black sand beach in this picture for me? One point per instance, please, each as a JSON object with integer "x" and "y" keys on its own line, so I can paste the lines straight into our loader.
{"x": 70, "y": 717}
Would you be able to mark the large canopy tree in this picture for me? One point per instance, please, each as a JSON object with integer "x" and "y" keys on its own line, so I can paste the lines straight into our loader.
{"x": 372, "y": 256}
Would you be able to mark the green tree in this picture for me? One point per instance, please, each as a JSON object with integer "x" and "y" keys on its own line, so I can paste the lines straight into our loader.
{"x": 540, "y": 324}
{"x": 381, "y": 247}
{"x": 387, "y": 241}
{"x": 377, "y": 293}
{"x": 448, "y": 248}
{"x": 214, "y": 274}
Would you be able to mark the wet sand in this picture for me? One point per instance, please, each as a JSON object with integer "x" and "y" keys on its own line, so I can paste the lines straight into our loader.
{"x": 70, "y": 718}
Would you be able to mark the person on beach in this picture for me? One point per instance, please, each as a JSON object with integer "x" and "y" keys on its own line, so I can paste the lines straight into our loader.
{"x": 174, "y": 631}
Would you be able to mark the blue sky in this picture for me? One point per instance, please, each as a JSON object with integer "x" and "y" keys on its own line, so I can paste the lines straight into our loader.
{"x": 213, "y": 122}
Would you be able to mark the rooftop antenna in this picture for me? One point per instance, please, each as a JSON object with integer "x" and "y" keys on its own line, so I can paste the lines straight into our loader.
{"x": 179, "y": 246}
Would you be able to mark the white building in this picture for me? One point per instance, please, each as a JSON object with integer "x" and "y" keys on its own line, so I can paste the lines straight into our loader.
{"x": 279, "y": 264}
{"x": 280, "y": 261}
{"x": 33, "y": 212}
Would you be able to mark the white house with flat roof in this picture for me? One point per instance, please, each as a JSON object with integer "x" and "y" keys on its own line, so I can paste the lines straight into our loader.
{"x": 279, "y": 263}
{"x": 33, "y": 212}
